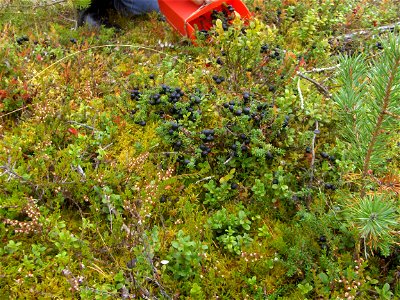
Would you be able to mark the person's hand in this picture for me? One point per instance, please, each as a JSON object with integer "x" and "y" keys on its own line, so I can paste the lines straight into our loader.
{"x": 200, "y": 2}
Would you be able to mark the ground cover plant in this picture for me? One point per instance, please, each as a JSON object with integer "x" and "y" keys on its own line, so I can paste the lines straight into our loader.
{"x": 260, "y": 163}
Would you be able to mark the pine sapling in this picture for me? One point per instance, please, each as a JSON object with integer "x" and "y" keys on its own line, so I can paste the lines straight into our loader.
{"x": 369, "y": 105}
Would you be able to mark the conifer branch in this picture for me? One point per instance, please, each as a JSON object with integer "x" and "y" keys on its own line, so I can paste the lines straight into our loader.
{"x": 368, "y": 93}
{"x": 381, "y": 116}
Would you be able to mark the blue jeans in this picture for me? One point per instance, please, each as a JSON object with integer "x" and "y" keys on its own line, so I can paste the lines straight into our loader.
{"x": 136, "y": 7}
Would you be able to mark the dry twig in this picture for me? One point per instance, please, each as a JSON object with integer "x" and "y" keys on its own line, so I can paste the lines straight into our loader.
{"x": 323, "y": 89}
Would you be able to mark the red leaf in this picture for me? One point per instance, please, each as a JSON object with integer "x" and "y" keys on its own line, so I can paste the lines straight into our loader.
{"x": 302, "y": 62}
{"x": 73, "y": 131}
{"x": 3, "y": 94}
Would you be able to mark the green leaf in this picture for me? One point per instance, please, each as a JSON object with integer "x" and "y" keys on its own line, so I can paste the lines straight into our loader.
{"x": 228, "y": 177}
{"x": 175, "y": 244}
{"x": 305, "y": 288}
{"x": 324, "y": 278}
{"x": 119, "y": 277}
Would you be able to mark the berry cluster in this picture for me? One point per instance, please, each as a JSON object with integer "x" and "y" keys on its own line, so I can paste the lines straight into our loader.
{"x": 22, "y": 39}
{"x": 247, "y": 126}
{"x": 218, "y": 79}
{"x": 239, "y": 108}
{"x": 135, "y": 94}
{"x": 225, "y": 13}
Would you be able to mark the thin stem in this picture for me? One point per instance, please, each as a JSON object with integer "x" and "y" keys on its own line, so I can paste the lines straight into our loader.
{"x": 204, "y": 179}
{"x": 300, "y": 93}
{"x": 8, "y": 169}
{"x": 392, "y": 114}
{"x": 316, "y": 131}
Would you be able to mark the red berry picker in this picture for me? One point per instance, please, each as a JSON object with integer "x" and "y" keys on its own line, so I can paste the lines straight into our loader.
{"x": 186, "y": 16}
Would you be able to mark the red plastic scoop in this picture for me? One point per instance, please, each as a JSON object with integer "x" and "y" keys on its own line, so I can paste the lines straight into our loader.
{"x": 185, "y": 16}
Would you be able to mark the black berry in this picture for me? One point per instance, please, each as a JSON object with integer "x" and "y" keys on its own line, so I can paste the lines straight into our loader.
{"x": 22, "y": 39}
{"x": 238, "y": 112}
{"x": 210, "y": 138}
{"x": 246, "y": 97}
{"x": 324, "y": 155}
{"x": 379, "y": 46}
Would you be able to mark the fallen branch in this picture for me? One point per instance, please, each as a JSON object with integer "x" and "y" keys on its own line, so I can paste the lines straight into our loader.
{"x": 8, "y": 169}
{"x": 350, "y": 36}
{"x": 323, "y": 89}
{"x": 83, "y": 125}
{"x": 320, "y": 70}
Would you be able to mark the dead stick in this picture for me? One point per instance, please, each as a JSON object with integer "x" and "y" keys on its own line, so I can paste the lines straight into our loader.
{"x": 350, "y": 36}
{"x": 323, "y": 89}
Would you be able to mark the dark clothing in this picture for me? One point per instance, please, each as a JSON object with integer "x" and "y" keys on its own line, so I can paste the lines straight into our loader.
{"x": 96, "y": 14}
{"x": 136, "y": 7}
